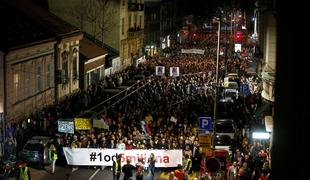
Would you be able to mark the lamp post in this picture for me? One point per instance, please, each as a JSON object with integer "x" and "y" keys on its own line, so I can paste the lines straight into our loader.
{"x": 217, "y": 84}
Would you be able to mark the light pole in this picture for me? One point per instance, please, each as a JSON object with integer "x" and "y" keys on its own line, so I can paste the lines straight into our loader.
{"x": 217, "y": 84}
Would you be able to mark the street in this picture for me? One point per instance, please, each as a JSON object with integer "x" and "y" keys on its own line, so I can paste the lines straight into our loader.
{"x": 83, "y": 173}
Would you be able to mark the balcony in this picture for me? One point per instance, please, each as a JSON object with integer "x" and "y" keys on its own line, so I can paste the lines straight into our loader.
{"x": 135, "y": 6}
{"x": 135, "y": 32}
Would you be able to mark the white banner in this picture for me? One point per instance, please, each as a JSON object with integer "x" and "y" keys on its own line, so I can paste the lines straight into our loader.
{"x": 193, "y": 51}
{"x": 105, "y": 157}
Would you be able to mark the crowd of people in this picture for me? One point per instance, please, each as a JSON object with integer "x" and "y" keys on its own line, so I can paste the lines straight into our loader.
{"x": 165, "y": 111}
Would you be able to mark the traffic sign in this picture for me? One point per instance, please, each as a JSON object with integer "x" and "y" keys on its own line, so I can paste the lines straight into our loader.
{"x": 205, "y": 123}
{"x": 245, "y": 91}
{"x": 213, "y": 165}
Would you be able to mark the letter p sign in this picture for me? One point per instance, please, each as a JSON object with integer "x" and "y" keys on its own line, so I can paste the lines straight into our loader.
{"x": 205, "y": 123}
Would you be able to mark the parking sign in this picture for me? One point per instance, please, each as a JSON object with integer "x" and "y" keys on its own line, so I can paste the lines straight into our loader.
{"x": 245, "y": 91}
{"x": 205, "y": 123}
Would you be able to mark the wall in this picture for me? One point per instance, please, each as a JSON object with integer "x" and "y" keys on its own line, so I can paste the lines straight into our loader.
{"x": 82, "y": 16}
{"x": 69, "y": 46}
{"x": 30, "y": 80}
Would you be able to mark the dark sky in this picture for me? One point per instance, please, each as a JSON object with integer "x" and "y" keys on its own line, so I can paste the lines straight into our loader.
{"x": 206, "y": 7}
{"x": 196, "y": 7}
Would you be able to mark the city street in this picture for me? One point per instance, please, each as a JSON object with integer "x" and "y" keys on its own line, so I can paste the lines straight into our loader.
{"x": 82, "y": 173}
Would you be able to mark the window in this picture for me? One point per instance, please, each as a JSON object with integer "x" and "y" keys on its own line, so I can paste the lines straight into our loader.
{"x": 16, "y": 86}
{"x": 74, "y": 65}
{"x": 95, "y": 76}
{"x": 122, "y": 25}
{"x": 64, "y": 67}
{"x": 38, "y": 78}
{"x": 135, "y": 20}
{"x": 28, "y": 84}
{"x": 140, "y": 24}
{"x": 48, "y": 75}
{"x": 123, "y": 2}
{"x": 64, "y": 72}
{"x": 129, "y": 20}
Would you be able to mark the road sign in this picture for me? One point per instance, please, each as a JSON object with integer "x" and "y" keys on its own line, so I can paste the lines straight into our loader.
{"x": 205, "y": 123}
{"x": 213, "y": 165}
{"x": 245, "y": 91}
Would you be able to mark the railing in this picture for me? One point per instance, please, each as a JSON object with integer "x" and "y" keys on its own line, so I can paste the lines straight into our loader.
{"x": 135, "y": 33}
{"x": 135, "y": 6}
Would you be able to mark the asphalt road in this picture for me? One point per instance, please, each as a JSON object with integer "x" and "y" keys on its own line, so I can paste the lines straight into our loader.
{"x": 85, "y": 173}
{"x": 82, "y": 173}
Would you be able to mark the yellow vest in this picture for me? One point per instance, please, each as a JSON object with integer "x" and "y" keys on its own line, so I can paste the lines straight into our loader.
{"x": 23, "y": 174}
{"x": 115, "y": 167}
{"x": 188, "y": 164}
{"x": 55, "y": 155}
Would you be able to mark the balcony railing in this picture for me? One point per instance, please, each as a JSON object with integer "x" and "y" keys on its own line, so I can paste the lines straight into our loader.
{"x": 135, "y": 32}
{"x": 135, "y": 6}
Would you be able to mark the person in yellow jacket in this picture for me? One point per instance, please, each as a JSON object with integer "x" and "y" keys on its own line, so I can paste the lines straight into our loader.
{"x": 52, "y": 156}
{"x": 187, "y": 167}
{"x": 117, "y": 167}
{"x": 24, "y": 172}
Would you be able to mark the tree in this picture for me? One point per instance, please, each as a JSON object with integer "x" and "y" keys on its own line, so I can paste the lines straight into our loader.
{"x": 105, "y": 20}
{"x": 95, "y": 13}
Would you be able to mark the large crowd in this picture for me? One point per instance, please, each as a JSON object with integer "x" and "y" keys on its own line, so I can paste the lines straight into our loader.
{"x": 165, "y": 111}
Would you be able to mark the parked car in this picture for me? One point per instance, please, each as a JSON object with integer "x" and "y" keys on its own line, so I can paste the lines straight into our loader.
{"x": 229, "y": 95}
{"x": 36, "y": 148}
{"x": 130, "y": 82}
{"x": 224, "y": 142}
{"x": 226, "y": 127}
{"x": 138, "y": 77}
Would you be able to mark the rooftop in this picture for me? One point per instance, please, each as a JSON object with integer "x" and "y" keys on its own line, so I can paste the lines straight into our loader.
{"x": 90, "y": 50}
{"x": 28, "y": 24}
{"x": 20, "y": 30}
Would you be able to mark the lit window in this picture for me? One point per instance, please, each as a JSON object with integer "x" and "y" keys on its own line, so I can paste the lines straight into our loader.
{"x": 16, "y": 86}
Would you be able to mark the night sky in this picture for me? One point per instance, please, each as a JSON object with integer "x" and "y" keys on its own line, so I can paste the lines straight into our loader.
{"x": 207, "y": 7}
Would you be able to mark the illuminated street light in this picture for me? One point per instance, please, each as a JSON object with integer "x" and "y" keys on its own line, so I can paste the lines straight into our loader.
{"x": 217, "y": 83}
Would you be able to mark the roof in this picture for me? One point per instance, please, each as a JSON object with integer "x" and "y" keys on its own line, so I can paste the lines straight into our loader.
{"x": 28, "y": 24}
{"x": 55, "y": 24}
{"x": 90, "y": 50}
{"x": 20, "y": 30}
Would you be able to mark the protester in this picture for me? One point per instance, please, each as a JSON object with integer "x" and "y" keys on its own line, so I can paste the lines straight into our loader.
{"x": 24, "y": 172}
{"x": 139, "y": 169}
{"x": 151, "y": 168}
{"x": 117, "y": 167}
{"x": 128, "y": 170}
{"x": 52, "y": 154}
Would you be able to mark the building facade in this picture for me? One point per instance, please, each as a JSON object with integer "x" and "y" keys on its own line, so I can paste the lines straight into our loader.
{"x": 92, "y": 63}
{"x": 152, "y": 27}
{"x": 29, "y": 79}
{"x": 117, "y": 23}
{"x": 160, "y": 24}
{"x": 35, "y": 48}
{"x": 267, "y": 38}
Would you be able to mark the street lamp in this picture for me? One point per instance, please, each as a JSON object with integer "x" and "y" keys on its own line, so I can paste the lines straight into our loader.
{"x": 217, "y": 83}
